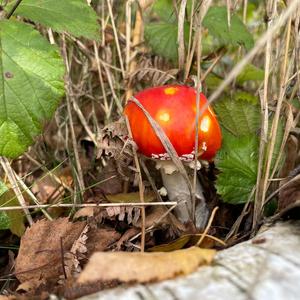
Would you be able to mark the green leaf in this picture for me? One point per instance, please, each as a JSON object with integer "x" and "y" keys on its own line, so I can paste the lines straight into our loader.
{"x": 4, "y": 220}
{"x": 165, "y": 10}
{"x": 250, "y": 73}
{"x": 74, "y": 16}
{"x": 216, "y": 23}
{"x": 240, "y": 115}
{"x": 12, "y": 219}
{"x": 212, "y": 81}
{"x": 162, "y": 38}
{"x": 31, "y": 85}
{"x": 237, "y": 161}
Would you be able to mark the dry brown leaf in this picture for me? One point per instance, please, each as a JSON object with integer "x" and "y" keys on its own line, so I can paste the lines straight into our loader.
{"x": 139, "y": 267}
{"x": 85, "y": 212}
{"x": 30, "y": 285}
{"x": 42, "y": 246}
{"x": 100, "y": 239}
{"x": 159, "y": 215}
{"x": 76, "y": 253}
{"x": 126, "y": 236}
{"x": 49, "y": 189}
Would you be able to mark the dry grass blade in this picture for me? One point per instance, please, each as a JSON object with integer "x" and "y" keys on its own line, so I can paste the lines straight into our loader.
{"x": 141, "y": 188}
{"x": 166, "y": 142}
{"x": 68, "y": 205}
{"x": 180, "y": 37}
{"x": 13, "y": 181}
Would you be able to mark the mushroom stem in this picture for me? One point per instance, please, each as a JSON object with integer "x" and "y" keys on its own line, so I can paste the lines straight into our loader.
{"x": 178, "y": 191}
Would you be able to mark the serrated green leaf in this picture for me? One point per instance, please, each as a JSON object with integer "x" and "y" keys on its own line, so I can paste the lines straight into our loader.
{"x": 12, "y": 219}
{"x": 31, "y": 85}
{"x": 237, "y": 162}
{"x": 162, "y": 38}
{"x": 74, "y": 16}
{"x": 250, "y": 73}
{"x": 240, "y": 115}
{"x": 217, "y": 24}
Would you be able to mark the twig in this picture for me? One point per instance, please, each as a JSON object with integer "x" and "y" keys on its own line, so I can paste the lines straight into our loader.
{"x": 71, "y": 205}
{"x": 116, "y": 36}
{"x": 141, "y": 188}
{"x": 212, "y": 216}
{"x": 180, "y": 34}
{"x": 264, "y": 122}
{"x": 276, "y": 119}
{"x": 68, "y": 100}
{"x": 31, "y": 195}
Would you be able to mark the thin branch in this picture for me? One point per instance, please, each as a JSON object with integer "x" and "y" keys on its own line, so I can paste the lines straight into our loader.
{"x": 71, "y": 205}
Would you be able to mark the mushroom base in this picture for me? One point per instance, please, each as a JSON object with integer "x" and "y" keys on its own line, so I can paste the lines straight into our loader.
{"x": 178, "y": 191}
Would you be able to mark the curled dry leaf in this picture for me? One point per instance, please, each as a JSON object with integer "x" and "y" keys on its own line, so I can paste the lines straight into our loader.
{"x": 139, "y": 267}
{"x": 77, "y": 252}
{"x": 113, "y": 142}
{"x": 42, "y": 246}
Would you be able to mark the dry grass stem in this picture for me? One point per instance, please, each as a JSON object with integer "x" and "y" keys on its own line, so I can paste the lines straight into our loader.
{"x": 14, "y": 185}
{"x": 71, "y": 205}
{"x": 204, "y": 234}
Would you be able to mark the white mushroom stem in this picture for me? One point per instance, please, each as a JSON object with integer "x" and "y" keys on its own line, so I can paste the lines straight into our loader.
{"x": 178, "y": 191}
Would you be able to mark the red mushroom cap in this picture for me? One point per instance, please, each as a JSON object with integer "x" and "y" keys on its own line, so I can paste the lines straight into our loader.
{"x": 173, "y": 107}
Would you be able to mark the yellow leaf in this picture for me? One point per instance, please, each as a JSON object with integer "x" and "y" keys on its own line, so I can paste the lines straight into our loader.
{"x": 130, "y": 197}
{"x": 144, "y": 267}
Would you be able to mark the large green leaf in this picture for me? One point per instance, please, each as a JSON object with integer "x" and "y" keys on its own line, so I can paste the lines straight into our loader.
{"x": 239, "y": 115}
{"x": 165, "y": 10}
{"x": 237, "y": 162}
{"x": 162, "y": 38}
{"x": 217, "y": 24}
{"x": 31, "y": 85}
{"x": 74, "y": 16}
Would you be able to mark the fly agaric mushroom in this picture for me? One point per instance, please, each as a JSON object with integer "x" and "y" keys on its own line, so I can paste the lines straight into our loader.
{"x": 173, "y": 107}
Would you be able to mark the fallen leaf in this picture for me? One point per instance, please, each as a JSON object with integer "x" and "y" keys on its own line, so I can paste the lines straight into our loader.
{"x": 140, "y": 267}
{"x": 42, "y": 246}
{"x": 130, "y": 197}
{"x": 77, "y": 253}
{"x": 85, "y": 212}
{"x": 30, "y": 285}
{"x": 100, "y": 239}
{"x": 49, "y": 187}
{"x": 187, "y": 240}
